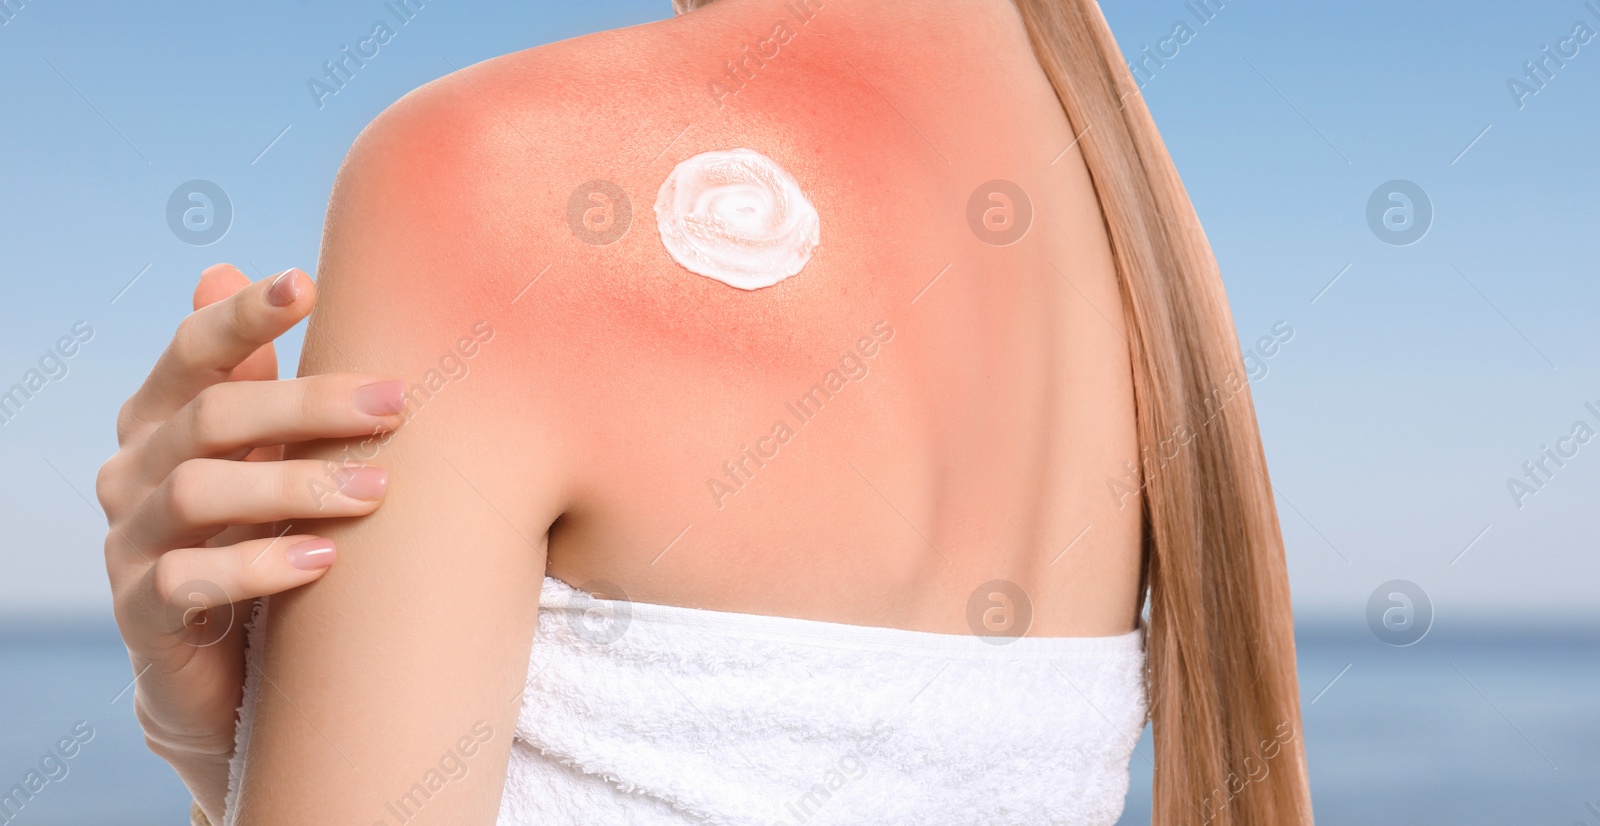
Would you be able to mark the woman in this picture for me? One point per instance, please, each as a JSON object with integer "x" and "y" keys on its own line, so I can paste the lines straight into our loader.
{"x": 855, "y": 487}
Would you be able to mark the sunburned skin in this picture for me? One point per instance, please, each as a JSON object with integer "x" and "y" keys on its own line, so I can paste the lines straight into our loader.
{"x": 738, "y": 217}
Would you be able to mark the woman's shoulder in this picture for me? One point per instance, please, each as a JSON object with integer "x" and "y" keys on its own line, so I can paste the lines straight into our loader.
{"x": 523, "y": 186}
{"x": 460, "y": 187}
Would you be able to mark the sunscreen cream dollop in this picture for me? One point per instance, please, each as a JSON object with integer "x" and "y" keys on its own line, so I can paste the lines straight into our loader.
{"x": 735, "y": 215}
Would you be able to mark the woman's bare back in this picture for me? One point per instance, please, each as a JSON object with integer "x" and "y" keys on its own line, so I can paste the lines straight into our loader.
{"x": 919, "y": 411}
{"x": 930, "y": 405}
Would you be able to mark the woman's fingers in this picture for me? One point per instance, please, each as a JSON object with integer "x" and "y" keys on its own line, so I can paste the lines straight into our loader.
{"x": 226, "y": 420}
{"x": 202, "y": 496}
{"x": 216, "y": 283}
{"x": 211, "y": 342}
{"x": 257, "y": 568}
{"x": 187, "y": 581}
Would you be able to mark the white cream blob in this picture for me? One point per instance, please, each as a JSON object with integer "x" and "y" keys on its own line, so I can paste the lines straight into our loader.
{"x": 736, "y": 216}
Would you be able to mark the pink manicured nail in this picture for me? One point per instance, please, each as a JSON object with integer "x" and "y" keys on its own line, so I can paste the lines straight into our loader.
{"x": 284, "y": 290}
{"x": 384, "y": 398}
{"x": 312, "y": 554}
{"x": 367, "y": 483}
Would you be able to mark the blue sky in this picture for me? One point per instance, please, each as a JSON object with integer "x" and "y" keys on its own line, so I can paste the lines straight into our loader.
{"x": 1413, "y": 388}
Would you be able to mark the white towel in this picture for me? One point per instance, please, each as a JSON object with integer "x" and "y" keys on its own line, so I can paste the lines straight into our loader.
{"x": 653, "y": 715}
{"x": 668, "y": 715}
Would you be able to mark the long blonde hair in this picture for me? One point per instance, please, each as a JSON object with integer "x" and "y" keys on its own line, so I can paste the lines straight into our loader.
{"x": 1224, "y": 698}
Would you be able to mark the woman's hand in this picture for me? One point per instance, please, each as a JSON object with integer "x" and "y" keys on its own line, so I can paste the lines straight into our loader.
{"x": 200, "y": 449}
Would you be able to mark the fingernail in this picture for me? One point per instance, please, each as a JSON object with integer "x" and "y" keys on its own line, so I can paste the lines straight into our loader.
{"x": 384, "y": 398}
{"x": 367, "y": 483}
{"x": 312, "y": 554}
{"x": 284, "y": 290}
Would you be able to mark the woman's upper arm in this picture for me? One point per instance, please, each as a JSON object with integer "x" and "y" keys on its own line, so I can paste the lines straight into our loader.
{"x": 411, "y": 652}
